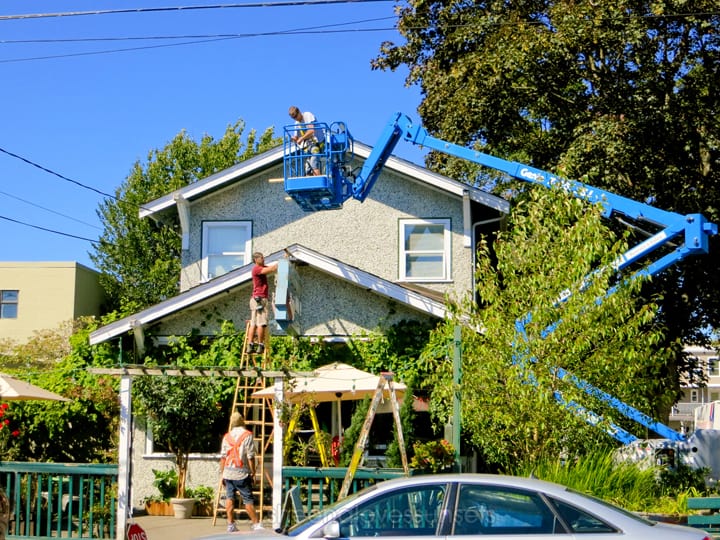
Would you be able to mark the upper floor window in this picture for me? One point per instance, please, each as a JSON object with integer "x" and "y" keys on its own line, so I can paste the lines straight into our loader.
{"x": 425, "y": 249}
{"x": 9, "y": 304}
{"x": 713, "y": 368}
{"x": 225, "y": 247}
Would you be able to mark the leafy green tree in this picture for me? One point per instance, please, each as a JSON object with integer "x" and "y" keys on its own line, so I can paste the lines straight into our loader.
{"x": 179, "y": 410}
{"x": 82, "y": 430}
{"x": 518, "y": 335}
{"x": 140, "y": 258}
{"x": 621, "y": 95}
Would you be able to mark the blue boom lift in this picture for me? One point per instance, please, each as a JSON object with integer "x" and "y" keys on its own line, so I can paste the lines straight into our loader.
{"x": 680, "y": 235}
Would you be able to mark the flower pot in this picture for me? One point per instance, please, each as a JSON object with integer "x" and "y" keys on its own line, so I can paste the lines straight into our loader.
{"x": 183, "y": 508}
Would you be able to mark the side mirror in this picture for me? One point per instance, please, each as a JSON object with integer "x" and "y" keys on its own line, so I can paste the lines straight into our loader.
{"x": 331, "y": 530}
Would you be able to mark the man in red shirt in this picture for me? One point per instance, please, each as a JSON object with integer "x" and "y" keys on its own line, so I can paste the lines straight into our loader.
{"x": 259, "y": 304}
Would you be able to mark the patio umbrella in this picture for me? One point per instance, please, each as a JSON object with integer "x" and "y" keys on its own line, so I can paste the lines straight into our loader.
{"x": 334, "y": 382}
{"x": 12, "y": 389}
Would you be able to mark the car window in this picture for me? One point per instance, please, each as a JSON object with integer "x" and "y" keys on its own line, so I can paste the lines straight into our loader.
{"x": 580, "y": 521}
{"x": 485, "y": 509}
{"x": 413, "y": 511}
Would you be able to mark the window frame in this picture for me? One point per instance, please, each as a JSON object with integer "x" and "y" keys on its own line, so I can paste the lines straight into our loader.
{"x": 446, "y": 250}
{"x": 12, "y": 302}
{"x": 207, "y": 227}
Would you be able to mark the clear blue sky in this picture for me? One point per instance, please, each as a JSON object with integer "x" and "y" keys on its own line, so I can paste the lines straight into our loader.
{"x": 90, "y": 117}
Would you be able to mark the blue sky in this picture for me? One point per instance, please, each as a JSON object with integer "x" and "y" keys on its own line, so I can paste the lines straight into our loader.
{"x": 90, "y": 117}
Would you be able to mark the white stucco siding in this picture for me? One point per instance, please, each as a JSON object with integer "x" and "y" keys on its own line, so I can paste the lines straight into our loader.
{"x": 330, "y": 307}
{"x": 365, "y": 235}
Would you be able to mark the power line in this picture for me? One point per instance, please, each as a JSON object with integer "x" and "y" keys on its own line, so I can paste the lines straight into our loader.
{"x": 186, "y": 8}
{"x": 57, "y": 174}
{"x": 322, "y": 29}
{"x": 50, "y": 230}
{"x": 50, "y": 210}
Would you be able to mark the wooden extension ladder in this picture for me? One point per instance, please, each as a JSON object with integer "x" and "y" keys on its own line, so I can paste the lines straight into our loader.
{"x": 255, "y": 415}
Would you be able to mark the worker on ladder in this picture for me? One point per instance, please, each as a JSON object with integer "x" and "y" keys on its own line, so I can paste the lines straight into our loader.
{"x": 237, "y": 470}
{"x": 259, "y": 304}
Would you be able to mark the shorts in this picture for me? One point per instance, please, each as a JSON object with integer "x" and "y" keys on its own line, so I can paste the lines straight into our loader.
{"x": 243, "y": 487}
{"x": 259, "y": 317}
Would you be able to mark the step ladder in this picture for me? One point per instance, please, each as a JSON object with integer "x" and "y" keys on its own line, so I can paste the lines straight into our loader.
{"x": 254, "y": 412}
{"x": 386, "y": 379}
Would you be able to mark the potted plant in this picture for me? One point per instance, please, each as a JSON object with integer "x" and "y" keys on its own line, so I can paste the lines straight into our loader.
{"x": 204, "y": 496}
{"x": 178, "y": 409}
{"x": 166, "y": 484}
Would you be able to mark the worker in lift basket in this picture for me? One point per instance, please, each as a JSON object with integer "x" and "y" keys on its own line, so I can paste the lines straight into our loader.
{"x": 309, "y": 139}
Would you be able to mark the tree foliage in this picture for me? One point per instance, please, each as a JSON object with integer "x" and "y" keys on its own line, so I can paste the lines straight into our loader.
{"x": 621, "y": 95}
{"x": 82, "y": 430}
{"x": 140, "y": 258}
{"x": 516, "y": 338}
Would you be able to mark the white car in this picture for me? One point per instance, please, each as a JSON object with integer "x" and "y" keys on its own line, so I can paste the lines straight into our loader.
{"x": 469, "y": 505}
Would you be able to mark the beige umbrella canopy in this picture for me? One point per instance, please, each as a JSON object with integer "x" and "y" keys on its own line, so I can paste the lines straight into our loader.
{"x": 334, "y": 382}
{"x": 12, "y": 389}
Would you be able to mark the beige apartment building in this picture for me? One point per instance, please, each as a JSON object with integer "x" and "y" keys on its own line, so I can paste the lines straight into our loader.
{"x": 42, "y": 295}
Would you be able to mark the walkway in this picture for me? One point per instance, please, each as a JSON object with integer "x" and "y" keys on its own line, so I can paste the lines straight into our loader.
{"x": 170, "y": 528}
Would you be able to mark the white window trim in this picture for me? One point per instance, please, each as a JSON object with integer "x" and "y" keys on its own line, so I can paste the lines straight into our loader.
{"x": 447, "y": 249}
{"x": 206, "y": 227}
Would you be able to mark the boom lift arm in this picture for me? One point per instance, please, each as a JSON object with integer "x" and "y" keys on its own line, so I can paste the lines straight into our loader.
{"x": 687, "y": 234}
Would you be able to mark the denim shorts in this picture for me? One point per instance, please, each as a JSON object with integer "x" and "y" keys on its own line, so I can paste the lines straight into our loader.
{"x": 244, "y": 487}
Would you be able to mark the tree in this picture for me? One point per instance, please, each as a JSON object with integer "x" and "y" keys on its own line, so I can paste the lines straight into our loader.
{"x": 509, "y": 378}
{"x": 140, "y": 258}
{"x": 179, "y": 410}
{"x": 621, "y": 95}
{"x": 83, "y": 430}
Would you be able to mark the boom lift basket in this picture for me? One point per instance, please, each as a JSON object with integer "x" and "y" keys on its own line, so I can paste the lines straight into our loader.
{"x": 329, "y": 189}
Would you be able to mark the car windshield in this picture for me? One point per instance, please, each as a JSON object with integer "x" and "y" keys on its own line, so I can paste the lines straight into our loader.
{"x": 335, "y": 508}
{"x": 614, "y": 507}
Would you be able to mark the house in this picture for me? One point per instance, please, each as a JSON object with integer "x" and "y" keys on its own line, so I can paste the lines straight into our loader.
{"x": 396, "y": 256}
{"x": 41, "y": 295}
{"x": 682, "y": 415}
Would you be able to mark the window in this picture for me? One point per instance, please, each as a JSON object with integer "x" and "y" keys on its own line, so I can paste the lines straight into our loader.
{"x": 425, "y": 249}
{"x": 411, "y": 511}
{"x": 502, "y": 510}
{"x": 9, "y": 304}
{"x": 713, "y": 367}
{"x": 693, "y": 396}
{"x": 225, "y": 247}
{"x": 580, "y": 521}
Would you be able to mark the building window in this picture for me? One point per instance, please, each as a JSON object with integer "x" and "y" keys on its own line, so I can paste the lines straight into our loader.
{"x": 9, "y": 304}
{"x": 713, "y": 367}
{"x": 425, "y": 249}
{"x": 693, "y": 396}
{"x": 225, "y": 247}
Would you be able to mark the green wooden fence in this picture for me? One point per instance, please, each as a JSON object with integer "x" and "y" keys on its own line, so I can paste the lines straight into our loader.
{"x": 53, "y": 500}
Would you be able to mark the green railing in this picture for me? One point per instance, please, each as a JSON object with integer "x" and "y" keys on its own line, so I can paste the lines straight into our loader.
{"x": 53, "y": 500}
{"x": 319, "y": 487}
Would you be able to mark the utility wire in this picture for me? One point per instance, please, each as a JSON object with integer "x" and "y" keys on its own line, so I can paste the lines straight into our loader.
{"x": 186, "y": 8}
{"x": 50, "y": 210}
{"x": 58, "y": 174}
{"x": 49, "y": 230}
{"x": 322, "y": 29}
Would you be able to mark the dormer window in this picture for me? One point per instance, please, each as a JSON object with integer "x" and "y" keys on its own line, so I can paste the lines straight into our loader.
{"x": 226, "y": 246}
{"x": 425, "y": 250}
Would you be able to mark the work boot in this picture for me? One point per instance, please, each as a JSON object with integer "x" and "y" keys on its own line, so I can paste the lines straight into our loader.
{"x": 260, "y": 348}
{"x": 250, "y": 348}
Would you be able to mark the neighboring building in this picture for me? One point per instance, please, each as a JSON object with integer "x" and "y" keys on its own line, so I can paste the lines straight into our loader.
{"x": 42, "y": 295}
{"x": 682, "y": 415}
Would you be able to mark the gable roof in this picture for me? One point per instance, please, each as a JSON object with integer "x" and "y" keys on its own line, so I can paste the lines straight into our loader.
{"x": 426, "y": 302}
{"x": 274, "y": 157}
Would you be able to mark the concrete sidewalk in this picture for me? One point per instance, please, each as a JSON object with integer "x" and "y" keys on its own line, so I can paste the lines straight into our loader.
{"x": 171, "y": 528}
